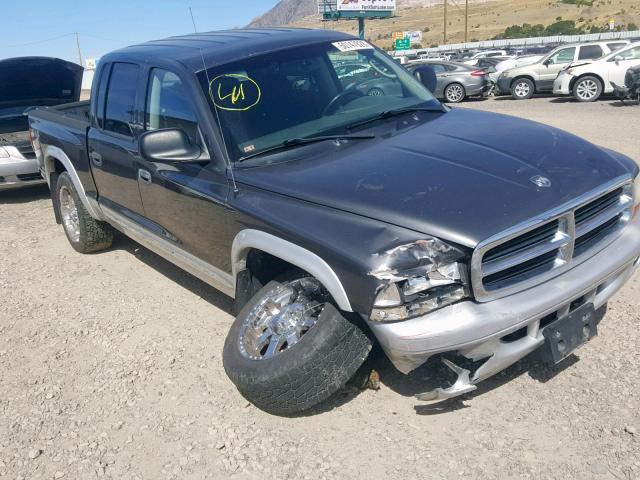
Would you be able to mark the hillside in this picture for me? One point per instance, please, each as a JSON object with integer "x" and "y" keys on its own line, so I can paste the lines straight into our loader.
{"x": 486, "y": 19}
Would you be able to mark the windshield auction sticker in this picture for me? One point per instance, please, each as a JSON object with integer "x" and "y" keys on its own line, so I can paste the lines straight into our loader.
{"x": 234, "y": 92}
{"x": 351, "y": 45}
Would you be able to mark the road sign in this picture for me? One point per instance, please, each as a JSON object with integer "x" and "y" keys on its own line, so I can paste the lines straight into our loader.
{"x": 415, "y": 37}
{"x": 366, "y": 5}
{"x": 403, "y": 44}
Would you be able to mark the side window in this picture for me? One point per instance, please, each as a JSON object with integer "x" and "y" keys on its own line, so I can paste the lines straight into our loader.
{"x": 438, "y": 67}
{"x": 100, "y": 94}
{"x": 616, "y": 46}
{"x": 590, "y": 52}
{"x": 629, "y": 54}
{"x": 168, "y": 105}
{"x": 565, "y": 55}
{"x": 121, "y": 97}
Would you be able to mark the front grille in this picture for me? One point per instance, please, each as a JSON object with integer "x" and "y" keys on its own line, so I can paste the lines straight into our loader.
{"x": 29, "y": 177}
{"x": 26, "y": 150}
{"x": 527, "y": 256}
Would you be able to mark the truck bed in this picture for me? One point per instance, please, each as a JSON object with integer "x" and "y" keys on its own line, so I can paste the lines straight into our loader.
{"x": 73, "y": 115}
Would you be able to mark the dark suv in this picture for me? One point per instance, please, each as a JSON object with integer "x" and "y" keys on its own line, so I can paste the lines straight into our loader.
{"x": 336, "y": 218}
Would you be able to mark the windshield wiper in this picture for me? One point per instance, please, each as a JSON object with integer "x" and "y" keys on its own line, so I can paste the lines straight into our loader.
{"x": 394, "y": 113}
{"x": 296, "y": 142}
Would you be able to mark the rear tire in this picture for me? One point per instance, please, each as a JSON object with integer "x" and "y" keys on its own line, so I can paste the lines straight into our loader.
{"x": 522, "y": 89}
{"x": 587, "y": 89}
{"x": 454, "y": 93}
{"x": 85, "y": 233}
{"x": 288, "y": 379}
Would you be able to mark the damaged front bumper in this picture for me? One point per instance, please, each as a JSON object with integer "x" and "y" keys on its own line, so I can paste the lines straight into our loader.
{"x": 502, "y": 331}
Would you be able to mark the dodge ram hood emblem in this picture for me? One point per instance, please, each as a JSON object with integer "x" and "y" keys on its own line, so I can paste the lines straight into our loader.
{"x": 540, "y": 181}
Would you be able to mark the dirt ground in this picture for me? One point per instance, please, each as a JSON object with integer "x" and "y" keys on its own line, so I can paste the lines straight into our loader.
{"x": 110, "y": 366}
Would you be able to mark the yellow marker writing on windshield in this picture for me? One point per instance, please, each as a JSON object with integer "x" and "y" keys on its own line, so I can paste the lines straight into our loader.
{"x": 234, "y": 92}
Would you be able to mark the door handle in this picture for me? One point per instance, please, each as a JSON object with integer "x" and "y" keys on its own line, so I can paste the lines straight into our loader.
{"x": 96, "y": 159}
{"x": 144, "y": 176}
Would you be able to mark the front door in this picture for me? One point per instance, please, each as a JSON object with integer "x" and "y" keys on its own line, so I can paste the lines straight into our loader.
{"x": 621, "y": 62}
{"x": 184, "y": 202}
{"x": 113, "y": 148}
{"x": 550, "y": 68}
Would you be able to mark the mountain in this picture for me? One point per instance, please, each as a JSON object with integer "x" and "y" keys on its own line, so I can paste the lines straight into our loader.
{"x": 285, "y": 12}
{"x": 487, "y": 18}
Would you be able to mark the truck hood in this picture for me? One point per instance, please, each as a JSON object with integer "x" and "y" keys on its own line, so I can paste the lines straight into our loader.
{"x": 35, "y": 81}
{"x": 462, "y": 176}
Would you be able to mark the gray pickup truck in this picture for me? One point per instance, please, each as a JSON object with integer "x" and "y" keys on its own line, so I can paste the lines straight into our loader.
{"x": 337, "y": 219}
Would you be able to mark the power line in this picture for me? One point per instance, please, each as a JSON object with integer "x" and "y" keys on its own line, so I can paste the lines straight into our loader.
{"x": 37, "y": 41}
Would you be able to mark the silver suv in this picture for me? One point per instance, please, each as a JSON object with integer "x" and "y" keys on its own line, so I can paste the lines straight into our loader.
{"x": 523, "y": 82}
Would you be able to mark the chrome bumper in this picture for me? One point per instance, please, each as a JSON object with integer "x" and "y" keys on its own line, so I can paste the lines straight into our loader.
{"x": 478, "y": 330}
{"x": 561, "y": 85}
{"x": 18, "y": 172}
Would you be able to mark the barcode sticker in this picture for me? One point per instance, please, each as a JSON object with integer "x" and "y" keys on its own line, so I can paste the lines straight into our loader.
{"x": 350, "y": 45}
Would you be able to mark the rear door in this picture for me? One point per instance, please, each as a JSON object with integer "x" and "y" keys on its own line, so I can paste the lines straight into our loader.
{"x": 112, "y": 142}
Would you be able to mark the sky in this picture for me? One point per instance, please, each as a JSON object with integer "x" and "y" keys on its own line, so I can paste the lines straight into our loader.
{"x": 47, "y": 27}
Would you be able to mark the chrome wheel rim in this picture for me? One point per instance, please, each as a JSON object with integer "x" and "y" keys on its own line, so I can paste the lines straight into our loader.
{"x": 522, "y": 89}
{"x": 587, "y": 89}
{"x": 281, "y": 318}
{"x": 69, "y": 213}
{"x": 454, "y": 93}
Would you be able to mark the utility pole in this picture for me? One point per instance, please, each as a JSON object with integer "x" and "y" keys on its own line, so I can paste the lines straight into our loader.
{"x": 466, "y": 21}
{"x": 445, "y": 21}
{"x": 79, "y": 52}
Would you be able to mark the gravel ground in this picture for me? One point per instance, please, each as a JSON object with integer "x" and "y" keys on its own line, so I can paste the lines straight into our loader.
{"x": 110, "y": 367}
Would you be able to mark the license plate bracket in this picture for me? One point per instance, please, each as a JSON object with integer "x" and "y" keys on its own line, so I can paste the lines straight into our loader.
{"x": 564, "y": 335}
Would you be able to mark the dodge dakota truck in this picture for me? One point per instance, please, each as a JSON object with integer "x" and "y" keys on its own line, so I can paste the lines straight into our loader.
{"x": 338, "y": 219}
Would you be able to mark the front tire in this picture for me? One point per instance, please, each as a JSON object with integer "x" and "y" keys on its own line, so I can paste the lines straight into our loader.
{"x": 454, "y": 93}
{"x": 522, "y": 89}
{"x": 587, "y": 89}
{"x": 289, "y": 348}
{"x": 85, "y": 233}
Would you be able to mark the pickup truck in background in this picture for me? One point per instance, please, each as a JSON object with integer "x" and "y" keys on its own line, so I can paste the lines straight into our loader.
{"x": 28, "y": 82}
{"x": 337, "y": 219}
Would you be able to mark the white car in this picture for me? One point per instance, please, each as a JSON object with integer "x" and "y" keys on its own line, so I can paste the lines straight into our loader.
{"x": 588, "y": 81}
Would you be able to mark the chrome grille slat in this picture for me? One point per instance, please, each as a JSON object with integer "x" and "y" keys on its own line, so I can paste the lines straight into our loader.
{"x": 604, "y": 216}
{"x": 550, "y": 244}
{"x": 558, "y": 241}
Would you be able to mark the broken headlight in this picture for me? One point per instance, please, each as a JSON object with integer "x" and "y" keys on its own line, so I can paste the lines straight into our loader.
{"x": 419, "y": 278}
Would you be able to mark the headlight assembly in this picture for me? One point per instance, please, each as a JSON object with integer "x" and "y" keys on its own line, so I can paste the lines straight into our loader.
{"x": 419, "y": 278}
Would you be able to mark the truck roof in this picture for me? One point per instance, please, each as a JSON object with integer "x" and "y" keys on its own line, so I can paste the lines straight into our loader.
{"x": 224, "y": 46}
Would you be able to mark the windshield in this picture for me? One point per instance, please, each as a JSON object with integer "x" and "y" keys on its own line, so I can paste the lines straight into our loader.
{"x": 314, "y": 90}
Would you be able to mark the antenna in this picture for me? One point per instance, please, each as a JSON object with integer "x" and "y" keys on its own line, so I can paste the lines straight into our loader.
{"x": 215, "y": 109}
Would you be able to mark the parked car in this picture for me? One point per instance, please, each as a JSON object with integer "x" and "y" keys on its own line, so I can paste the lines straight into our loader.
{"x": 523, "y": 82}
{"x": 588, "y": 81}
{"x": 26, "y": 82}
{"x": 335, "y": 217}
{"x": 457, "y": 81}
{"x": 486, "y": 54}
{"x": 631, "y": 87}
{"x": 509, "y": 63}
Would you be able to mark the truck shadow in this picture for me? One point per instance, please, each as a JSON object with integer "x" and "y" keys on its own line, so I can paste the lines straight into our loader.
{"x": 434, "y": 374}
{"x": 24, "y": 195}
{"x": 174, "y": 273}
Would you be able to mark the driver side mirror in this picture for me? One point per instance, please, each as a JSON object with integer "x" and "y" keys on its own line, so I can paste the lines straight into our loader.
{"x": 547, "y": 62}
{"x": 618, "y": 59}
{"x": 427, "y": 76}
{"x": 168, "y": 145}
